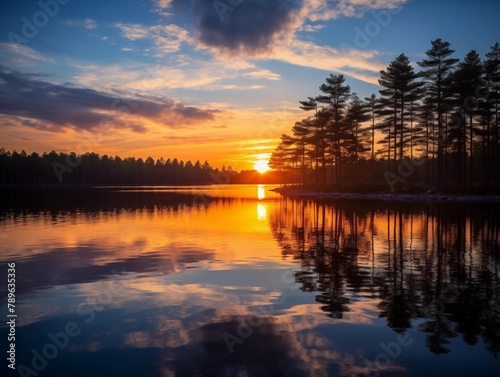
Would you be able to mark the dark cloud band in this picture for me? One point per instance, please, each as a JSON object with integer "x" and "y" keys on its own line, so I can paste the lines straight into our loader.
{"x": 54, "y": 107}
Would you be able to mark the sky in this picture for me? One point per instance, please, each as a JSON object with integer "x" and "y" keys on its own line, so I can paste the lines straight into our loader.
{"x": 202, "y": 79}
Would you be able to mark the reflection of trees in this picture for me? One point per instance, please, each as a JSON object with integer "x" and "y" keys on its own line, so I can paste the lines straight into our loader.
{"x": 397, "y": 289}
{"x": 438, "y": 263}
{"x": 21, "y": 201}
{"x": 326, "y": 243}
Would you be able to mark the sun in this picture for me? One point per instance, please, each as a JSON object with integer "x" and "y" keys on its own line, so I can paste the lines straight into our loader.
{"x": 261, "y": 166}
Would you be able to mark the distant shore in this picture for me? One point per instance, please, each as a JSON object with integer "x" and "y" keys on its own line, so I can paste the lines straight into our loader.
{"x": 411, "y": 195}
{"x": 429, "y": 194}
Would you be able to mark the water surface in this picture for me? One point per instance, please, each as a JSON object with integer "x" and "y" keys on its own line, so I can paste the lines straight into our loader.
{"x": 236, "y": 281}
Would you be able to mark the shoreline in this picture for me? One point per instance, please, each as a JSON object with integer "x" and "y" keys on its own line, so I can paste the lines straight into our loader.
{"x": 305, "y": 193}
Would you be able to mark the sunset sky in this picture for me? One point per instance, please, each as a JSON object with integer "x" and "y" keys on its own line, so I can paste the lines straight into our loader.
{"x": 202, "y": 79}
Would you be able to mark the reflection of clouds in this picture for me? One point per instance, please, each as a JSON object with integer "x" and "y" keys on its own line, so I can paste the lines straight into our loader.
{"x": 194, "y": 339}
{"x": 78, "y": 274}
{"x": 274, "y": 347}
{"x": 179, "y": 295}
{"x": 94, "y": 262}
{"x": 187, "y": 332}
{"x": 361, "y": 312}
{"x": 172, "y": 325}
{"x": 136, "y": 339}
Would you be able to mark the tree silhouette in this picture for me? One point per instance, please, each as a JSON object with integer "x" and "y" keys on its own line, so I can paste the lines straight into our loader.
{"x": 400, "y": 92}
{"x": 335, "y": 96}
{"x": 437, "y": 68}
{"x": 442, "y": 122}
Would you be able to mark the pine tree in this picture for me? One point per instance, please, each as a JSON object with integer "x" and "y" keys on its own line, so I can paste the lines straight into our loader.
{"x": 492, "y": 107}
{"x": 466, "y": 80}
{"x": 357, "y": 144}
{"x": 399, "y": 97}
{"x": 317, "y": 136}
{"x": 372, "y": 105}
{"x": 336, "y": 93}
{"x": 437, "y": 67}
{"x": 302, "y": 134}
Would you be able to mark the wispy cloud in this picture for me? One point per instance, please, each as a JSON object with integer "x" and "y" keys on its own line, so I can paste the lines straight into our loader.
{"x": 15, "y": 54}
{"x": 176, "y": 73}
{"x": 263, "y": 74}
{"x": 86, "y": 23}
{"x": 133, "y": 32}
{"x": 237, "y": 87}
{"x": 362, "y": 65}
{"x": 311, "y": 28}
{"x": 326, "y": 10}
{"x": 165, "y": 38}
{"x": 162, "y": 3}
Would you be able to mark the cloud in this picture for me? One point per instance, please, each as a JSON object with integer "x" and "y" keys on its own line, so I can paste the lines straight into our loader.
{"x": 132, "y": 32}
{"x": 361, "y": 65}
{"x": 194, "y": 139}
{"x": 52, "y": 107}
{"x": 249, "y": 28}
{"x": 176, "y": 72}
{"x": 326, "y": 10}
{"x": 86, "y": 23}
{"x": 166, "y": 38}
{"x": 236, "y": 87}
{"x": 263, "y": 74}
{"x": 162, "y": 3}
{"x": 20, "y": 54}
{"x": 311, "y": 28}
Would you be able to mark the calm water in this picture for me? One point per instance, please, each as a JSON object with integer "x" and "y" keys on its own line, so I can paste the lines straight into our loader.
{"x": 235, "y": 281}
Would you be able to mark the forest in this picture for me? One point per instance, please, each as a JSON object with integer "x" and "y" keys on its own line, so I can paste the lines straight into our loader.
{"x": 438, "y": 127}
{"x": 92, "y": 169}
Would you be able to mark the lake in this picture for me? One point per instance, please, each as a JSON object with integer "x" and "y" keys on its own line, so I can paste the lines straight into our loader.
{"x": 238, "y": 281}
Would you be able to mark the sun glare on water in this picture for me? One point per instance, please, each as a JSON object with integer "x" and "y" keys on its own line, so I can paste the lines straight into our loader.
{"x": 261, "y": 166}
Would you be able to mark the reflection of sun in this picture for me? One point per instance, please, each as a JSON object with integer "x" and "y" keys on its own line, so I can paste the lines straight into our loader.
{"x": 261, "y": 192}
{"x": 261, "y": 166}
{"x": 261, "y": 211}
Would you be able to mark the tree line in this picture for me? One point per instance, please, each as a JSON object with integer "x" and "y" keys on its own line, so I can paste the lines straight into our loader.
{"x": 438, "y": 126}
{"x": 93, "y": 169}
